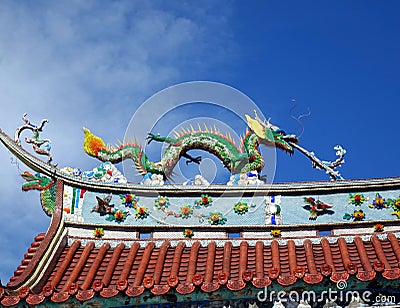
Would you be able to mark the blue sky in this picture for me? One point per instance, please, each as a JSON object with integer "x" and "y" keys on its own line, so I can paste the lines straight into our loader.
{"x": 94, "y": 63}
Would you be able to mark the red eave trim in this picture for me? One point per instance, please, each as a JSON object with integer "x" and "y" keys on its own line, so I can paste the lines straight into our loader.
{"x": 42, "y": 249}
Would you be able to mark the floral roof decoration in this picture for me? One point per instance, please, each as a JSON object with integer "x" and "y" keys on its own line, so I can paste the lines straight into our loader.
{"x": 216, "y": 218}
{"x": 395, "y": 204}
{"x": 161, "y": 203}
{"x": 129, "y": 200}
{"x": 379, "y": 228}
{"x": 378, "y": 203}
{"x": 357, "y": 199}
{"x": 186, "y": 211}
{"x": 188, "y": 233}
{"x": 241, "y": 208}
{"x": 276, "y": 233}
{"x": 141, "y": 212}
{"x": 98, "y": 232}
{"x": 117, "y": 215}
{"x": 204, "y": 201}
{"x": 357, "y": 215}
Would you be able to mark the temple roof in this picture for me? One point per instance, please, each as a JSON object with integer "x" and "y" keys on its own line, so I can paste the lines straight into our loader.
{"x": 63, "y": 264}
{"x": 99, "y": 269}
{"x": 118, "y": 243}
{"x": 86, "y": 271}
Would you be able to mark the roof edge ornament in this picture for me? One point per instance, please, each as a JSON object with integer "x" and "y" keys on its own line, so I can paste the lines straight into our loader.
{"x": 245, "y": 159}
{"x": 35, "y": 140}
{"x": 317, "y": 163}
{"x": 328, "y": 166}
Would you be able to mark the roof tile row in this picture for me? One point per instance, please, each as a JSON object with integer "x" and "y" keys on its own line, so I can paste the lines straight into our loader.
{"x": 84, "y": 271}
{"x": 28, "y": 256}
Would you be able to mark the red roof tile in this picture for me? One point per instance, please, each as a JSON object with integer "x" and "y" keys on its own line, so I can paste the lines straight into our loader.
{"x": 28, "y": 256}
{"x": 84, "y": 271}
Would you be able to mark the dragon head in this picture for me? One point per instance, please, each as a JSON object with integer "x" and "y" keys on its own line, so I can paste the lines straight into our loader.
{"x": 45, "y": 185}
{"x": 270, "y": 134}
{"x": 37, "y": 181}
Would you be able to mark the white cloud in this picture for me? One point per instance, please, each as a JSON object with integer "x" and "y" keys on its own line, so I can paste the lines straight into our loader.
{"x": 90, "y": 63}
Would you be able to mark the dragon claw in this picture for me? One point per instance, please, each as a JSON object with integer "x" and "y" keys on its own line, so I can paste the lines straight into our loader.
{"x": 150, "y": 137}
{"x": 196, "y": 160}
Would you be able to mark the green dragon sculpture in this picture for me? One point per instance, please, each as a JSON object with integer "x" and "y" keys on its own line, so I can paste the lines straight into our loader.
{"x": 237, "y": 159}
{"x": 47, "y": 189}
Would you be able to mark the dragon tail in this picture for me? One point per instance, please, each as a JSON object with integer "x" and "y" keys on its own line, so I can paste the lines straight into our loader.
{"x": 92, "y": 144}
{"x": 95, "y": 147}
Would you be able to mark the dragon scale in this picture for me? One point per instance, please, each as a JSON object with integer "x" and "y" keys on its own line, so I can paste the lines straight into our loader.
{"x": 215, "y": 143}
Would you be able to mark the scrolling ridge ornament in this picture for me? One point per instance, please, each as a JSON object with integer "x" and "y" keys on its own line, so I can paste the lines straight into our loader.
{"x": 35, "y": 140}
{"x": 243, "y": 159}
